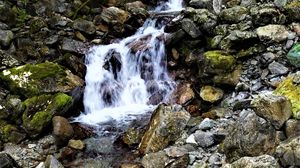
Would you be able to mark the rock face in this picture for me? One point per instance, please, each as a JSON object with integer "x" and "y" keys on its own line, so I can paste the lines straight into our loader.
{"x": 290, "y": 88}
{"x": 294, "y": 55}
{"x": 288, "y": 152}
{"x": 166, "y": 125}
{"x": 6, "y": 161}
{"x": 263, "y": 161}
{"x": 62, "y": 130}
{"x": 211, "y": 94}
{"x": 48, "y": 77}
{"x": 276, "y": 109}
{"x": 39, "y": 110}
{"x": 250, "y": 136}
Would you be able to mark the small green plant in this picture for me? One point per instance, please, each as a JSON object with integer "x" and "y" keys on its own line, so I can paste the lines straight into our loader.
{"x": 22, "y": 16}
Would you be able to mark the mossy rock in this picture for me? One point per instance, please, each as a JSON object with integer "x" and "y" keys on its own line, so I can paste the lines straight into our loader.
{"x": 39, "y": 111}
{"x": 218, "y": 61}
{"x": 36, "y": 24}
{"x": 293, "y": 10}
{"x": 294, "y": 55}
{"x": 10, "y": 133}
{"x": 290, "y": 88}
{"x": 30, "y": 80}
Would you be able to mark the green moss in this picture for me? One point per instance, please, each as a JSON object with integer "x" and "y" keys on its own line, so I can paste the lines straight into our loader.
{"x": 6, "y": 132}
{"x": 290, "y": 90}
{"x": 60, "y": 103}
{"x": 219, "y": 60}
{"x": 30, "y": 80}
{"x": 35, "y": 124}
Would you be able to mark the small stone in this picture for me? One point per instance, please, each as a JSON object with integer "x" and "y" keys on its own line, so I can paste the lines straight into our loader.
{"x": 174, "y": 151}
{"x": 277, "y": 68}
{"x": 207, "y": 124}
{"x": 211, "y": 94}
{"x": 80, "y": 36}
{"x": 204, "y": 139}
{"x": 191, "y": 139}
{"x": 76, "y": 144}
{"x": 293, "y": 55}
{"x": 96, "y": 41}
{"x": 31, "y": 146}
{"x": 62, "y": 130}
{"x": 6, "y": 37}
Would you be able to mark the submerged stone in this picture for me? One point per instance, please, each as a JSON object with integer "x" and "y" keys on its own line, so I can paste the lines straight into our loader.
{"x": 294, "y": 55}
{"x": 48, "y": 77}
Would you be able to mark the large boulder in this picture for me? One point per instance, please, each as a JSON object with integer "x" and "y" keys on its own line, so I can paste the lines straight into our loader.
{"x": 274, "y": 108}
{"x": 290, "y": 88}
{"x": 48, "y": 77}
{"x": 166, "y": 125}
{"x": 263, "y": 161}
{"x": 249, "y": 136}
{"x": 288, "y": 152}
{"x": 39, "y": 110}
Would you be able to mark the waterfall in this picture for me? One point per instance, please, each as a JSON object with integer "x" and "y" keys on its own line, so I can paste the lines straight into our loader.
{"x": 128, "y": 78}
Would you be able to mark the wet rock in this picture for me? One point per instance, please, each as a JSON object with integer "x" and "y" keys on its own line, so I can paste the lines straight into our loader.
{"x": 39, "y": 110}
{"x": 47, "y": 77}
{"x": 277, "y": 68}
{"x": 76, "y": 144}
{"x": 292, "y": 128}
{"x": 70, "y": 45}
{"x": 274, "y": 33}
{"x": 293, "y": 55}
{"x": 52, "y": 162}
{"x": 288, "y": 152}
{"x": 114, "y": 15}
{"x": 84, "y": 26}
{"x": 289, "y": 88}
{"x": 203, "y": 18}
{"x": 62, "y": 130}
{"x": 166, "y": 125}
{"x": 276, "y": 109}
{"x": 249, "y": 136}
{"x": 185, "y": 94}
{"x": 6, "y": 161}
{"x": 234, "y": 14}
{"x": 132, "y": 136}
{"x": 6, "y": 37}
{"x": 263, "y": 161}
{"x": 211, "y": 94}
{"x": 190, "y": 28}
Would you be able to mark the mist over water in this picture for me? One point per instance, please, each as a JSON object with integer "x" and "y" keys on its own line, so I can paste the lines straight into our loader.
{"x": 128, "y": 78}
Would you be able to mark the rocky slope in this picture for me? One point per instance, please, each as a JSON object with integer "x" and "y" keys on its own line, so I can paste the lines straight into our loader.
{"x": 236, "y": 104}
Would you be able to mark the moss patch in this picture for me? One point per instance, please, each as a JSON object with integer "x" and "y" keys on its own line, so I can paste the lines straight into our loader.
{"x": 290, "y": 89}
{"x": 219, "y": 60}
{"x": 39, "y": 110}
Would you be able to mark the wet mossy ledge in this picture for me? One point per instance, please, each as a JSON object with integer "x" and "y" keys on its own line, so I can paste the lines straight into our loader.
{"x": 34, "y": 79}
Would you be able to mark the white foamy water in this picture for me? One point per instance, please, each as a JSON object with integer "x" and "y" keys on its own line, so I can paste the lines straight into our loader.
{"x": 128, "y": 78}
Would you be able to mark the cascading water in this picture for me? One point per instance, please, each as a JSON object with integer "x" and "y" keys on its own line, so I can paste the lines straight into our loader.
{"x": 128, "y": 78}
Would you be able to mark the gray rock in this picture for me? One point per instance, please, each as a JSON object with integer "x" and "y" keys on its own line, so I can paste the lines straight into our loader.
{"x": 190, "y": 28}
{"x": 84, "y": 26}
{"x": 288, "y": 152}
{"x": 292, "y": 128}
{"x": 249, "y": 136}
{"x": 52, "y": 162}
{"x": 237, "y": 37}
{"x": 263, "y": 161}
{"x": 234, "y": 14}
{"x": 70, "y": 45}
{"x": 273, "y": 33}
{"x": 6, "y": 161}
{"x": 204, "y": 139}
{"x": 266, "y": 14}
{"x": 166, "y": 125}
{"x": 203, "y": 18}
{"x": 207, "y": 124}
{"x": 6, "y": 37}
{"x": 276, "y": 109}
{"x": 277, "y": 69}
{"x": 51, "y": 40}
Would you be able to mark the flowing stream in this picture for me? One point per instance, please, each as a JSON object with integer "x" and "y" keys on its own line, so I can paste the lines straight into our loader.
{"x": 128, "y": 78}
